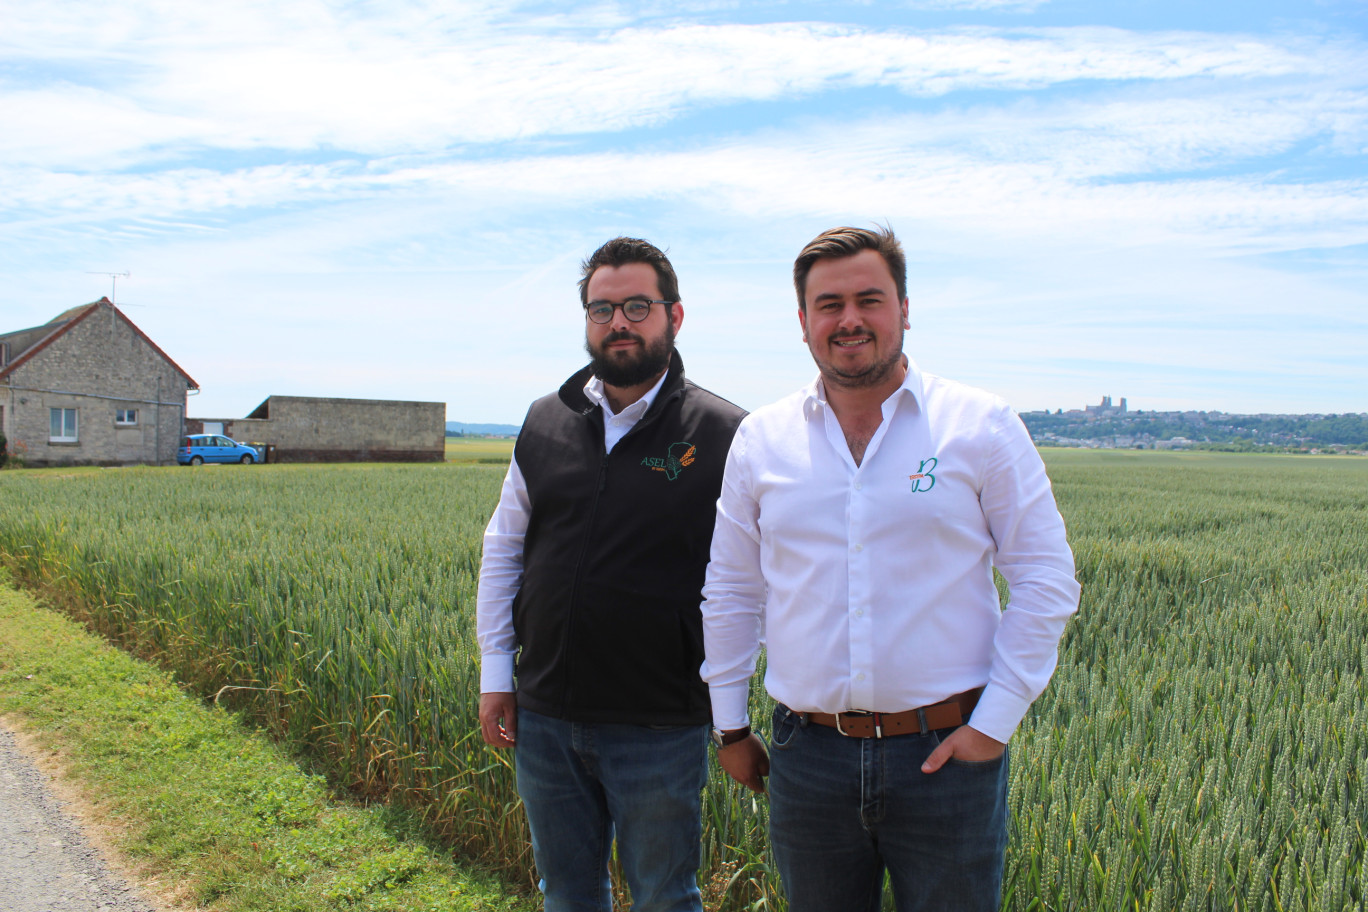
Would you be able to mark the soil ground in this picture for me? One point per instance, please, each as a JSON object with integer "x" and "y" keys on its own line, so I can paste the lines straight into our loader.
{"x": 49, "y": 861}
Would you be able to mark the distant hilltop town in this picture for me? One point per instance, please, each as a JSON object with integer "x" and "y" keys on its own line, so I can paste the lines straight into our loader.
{"x": 1108, "y": 426}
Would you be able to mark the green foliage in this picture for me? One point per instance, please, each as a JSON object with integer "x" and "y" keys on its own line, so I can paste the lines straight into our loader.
{"x": 209, "y": 805}
{"x": 1204, "y": 743}
{"x": 1244, "y": 433}
{"x": 279, "y": 801}
{"x": 332, "y": 603}
{"x": 12, "y": 453}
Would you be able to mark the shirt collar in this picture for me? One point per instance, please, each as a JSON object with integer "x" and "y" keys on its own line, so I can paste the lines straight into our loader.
{"x": 595, "y": 393}
{"x": 814, "y": 399}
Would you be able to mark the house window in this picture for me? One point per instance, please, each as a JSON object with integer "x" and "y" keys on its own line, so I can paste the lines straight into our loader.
{"x": 63, "y": 425}
{"x": 126, "y": 417}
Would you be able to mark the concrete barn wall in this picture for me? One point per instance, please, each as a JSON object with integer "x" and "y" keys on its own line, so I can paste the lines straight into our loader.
{"x": 307, "y": 429}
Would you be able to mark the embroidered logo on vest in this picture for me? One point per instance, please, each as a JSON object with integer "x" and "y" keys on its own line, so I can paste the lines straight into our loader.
{"x": 677, "y": 458}
{"x": 924, "y": 480}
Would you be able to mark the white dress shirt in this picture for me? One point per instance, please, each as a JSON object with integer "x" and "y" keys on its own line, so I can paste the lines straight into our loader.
{"x": 502, "y": 565}
{"x": 872, "y": 585}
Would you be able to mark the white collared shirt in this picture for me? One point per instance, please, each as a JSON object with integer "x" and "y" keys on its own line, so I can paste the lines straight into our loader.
{"x": 872, "y": 585}
{"x": 502, "y": 565}
{"x": 616, "y": 425}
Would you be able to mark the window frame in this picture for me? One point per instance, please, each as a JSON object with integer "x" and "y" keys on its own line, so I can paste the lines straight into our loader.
{"x": 74, "y": 427}
{"x": 125, "y": 421}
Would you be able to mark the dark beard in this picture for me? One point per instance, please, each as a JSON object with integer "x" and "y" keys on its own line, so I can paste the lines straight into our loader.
{"x": 646, "y": 364}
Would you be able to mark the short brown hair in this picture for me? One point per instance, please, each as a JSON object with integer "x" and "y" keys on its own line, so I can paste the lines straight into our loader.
{"x": 838, "y": 243}
{"x": 623, "y": 250}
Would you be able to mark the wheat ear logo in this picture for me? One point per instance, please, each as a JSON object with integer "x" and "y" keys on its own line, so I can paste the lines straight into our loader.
{"x": 924, "y": 480}
{"x": 677, "y": 458}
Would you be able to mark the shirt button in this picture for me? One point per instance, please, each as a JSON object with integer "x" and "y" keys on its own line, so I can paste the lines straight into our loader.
{"x": 859, "y": 547}
{"x": 859, "y": 486}
{"x": 860, "y": 676}
{"x": 859, "y": 612}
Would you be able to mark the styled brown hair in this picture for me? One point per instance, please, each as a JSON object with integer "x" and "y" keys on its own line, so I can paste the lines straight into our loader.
{"x": 838, "y": 243}
{"x": 623, "y": 250}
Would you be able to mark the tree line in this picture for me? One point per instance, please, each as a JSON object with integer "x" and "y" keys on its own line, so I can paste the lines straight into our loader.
{"x": 1239, "y": 431}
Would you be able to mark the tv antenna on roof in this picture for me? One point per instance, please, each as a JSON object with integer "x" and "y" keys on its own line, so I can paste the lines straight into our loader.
{"x": 114, "y": 281}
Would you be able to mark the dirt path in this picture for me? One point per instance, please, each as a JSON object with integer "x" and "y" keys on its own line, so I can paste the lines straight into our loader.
{"x": 47, "y": 864}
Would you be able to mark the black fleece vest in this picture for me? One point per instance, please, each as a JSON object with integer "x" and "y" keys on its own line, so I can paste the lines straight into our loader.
{"x": 607, "y": 616}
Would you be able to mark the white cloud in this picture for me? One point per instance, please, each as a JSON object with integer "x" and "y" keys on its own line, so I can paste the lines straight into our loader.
{"x": 1098, "y": 172}
{"x": 306, "y": 76}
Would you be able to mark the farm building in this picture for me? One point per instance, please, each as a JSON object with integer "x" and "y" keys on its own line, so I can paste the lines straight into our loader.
{"x": 306, "y": 429}
{"x": 90, "y": 388}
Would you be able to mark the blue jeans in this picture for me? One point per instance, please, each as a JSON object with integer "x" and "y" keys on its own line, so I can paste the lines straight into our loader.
{"x": 845, "y": 810}
{"x": 581, "y": 781}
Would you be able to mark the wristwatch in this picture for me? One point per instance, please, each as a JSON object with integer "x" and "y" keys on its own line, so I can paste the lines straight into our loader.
{"x": 722, "y": 739}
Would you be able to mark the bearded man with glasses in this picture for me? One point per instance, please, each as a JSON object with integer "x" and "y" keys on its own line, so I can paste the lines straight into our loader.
{"x": 588, "y": 609}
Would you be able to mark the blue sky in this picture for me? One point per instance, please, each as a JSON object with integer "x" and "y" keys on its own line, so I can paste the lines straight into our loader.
{"x": 1162, "y": 201}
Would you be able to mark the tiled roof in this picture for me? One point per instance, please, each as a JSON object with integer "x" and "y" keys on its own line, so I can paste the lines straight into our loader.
{"x": 63, "y": 323}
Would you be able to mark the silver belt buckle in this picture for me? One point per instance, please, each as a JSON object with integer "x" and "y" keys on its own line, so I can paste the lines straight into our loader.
{"x": 878, "y": 723}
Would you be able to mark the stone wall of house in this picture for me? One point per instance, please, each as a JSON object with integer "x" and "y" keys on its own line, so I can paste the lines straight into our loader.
{"x": 306, "y": 429}
{"x": 99, "y": 366}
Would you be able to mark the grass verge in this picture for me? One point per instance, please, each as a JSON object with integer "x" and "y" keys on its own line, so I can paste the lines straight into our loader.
{"x": 205, "y": 803}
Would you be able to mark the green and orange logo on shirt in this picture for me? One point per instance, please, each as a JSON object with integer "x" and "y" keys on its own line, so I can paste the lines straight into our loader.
{"x": 677, "y": 458}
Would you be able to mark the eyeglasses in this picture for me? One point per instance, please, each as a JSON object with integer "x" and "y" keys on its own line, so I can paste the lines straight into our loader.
{"x": 635, "y": 310}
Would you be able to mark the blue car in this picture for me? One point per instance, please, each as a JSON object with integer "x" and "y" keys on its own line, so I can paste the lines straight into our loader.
{"x": 198, "y": 449}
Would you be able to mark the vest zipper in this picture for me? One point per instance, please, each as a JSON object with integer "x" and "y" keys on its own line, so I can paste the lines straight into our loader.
{"x": 567, "y": 655}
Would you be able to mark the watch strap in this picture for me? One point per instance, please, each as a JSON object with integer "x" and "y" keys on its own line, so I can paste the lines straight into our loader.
{"x": 722, "y": 739}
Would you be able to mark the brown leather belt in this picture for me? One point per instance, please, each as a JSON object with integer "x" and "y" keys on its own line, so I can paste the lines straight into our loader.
{"x": 949, "y": 713}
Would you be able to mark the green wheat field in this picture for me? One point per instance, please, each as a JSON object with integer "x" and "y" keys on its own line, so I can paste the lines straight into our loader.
{"x": 1203, "y": 745}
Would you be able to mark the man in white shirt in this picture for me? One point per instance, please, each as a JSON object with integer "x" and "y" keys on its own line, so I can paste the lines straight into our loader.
{"x": 858, "y": 529}
{"x": 591, "y": 583}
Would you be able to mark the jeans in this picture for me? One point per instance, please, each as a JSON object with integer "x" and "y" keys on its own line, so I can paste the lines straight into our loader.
{"x": 845, "y": 810}
{"x": 580, "y": 782}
